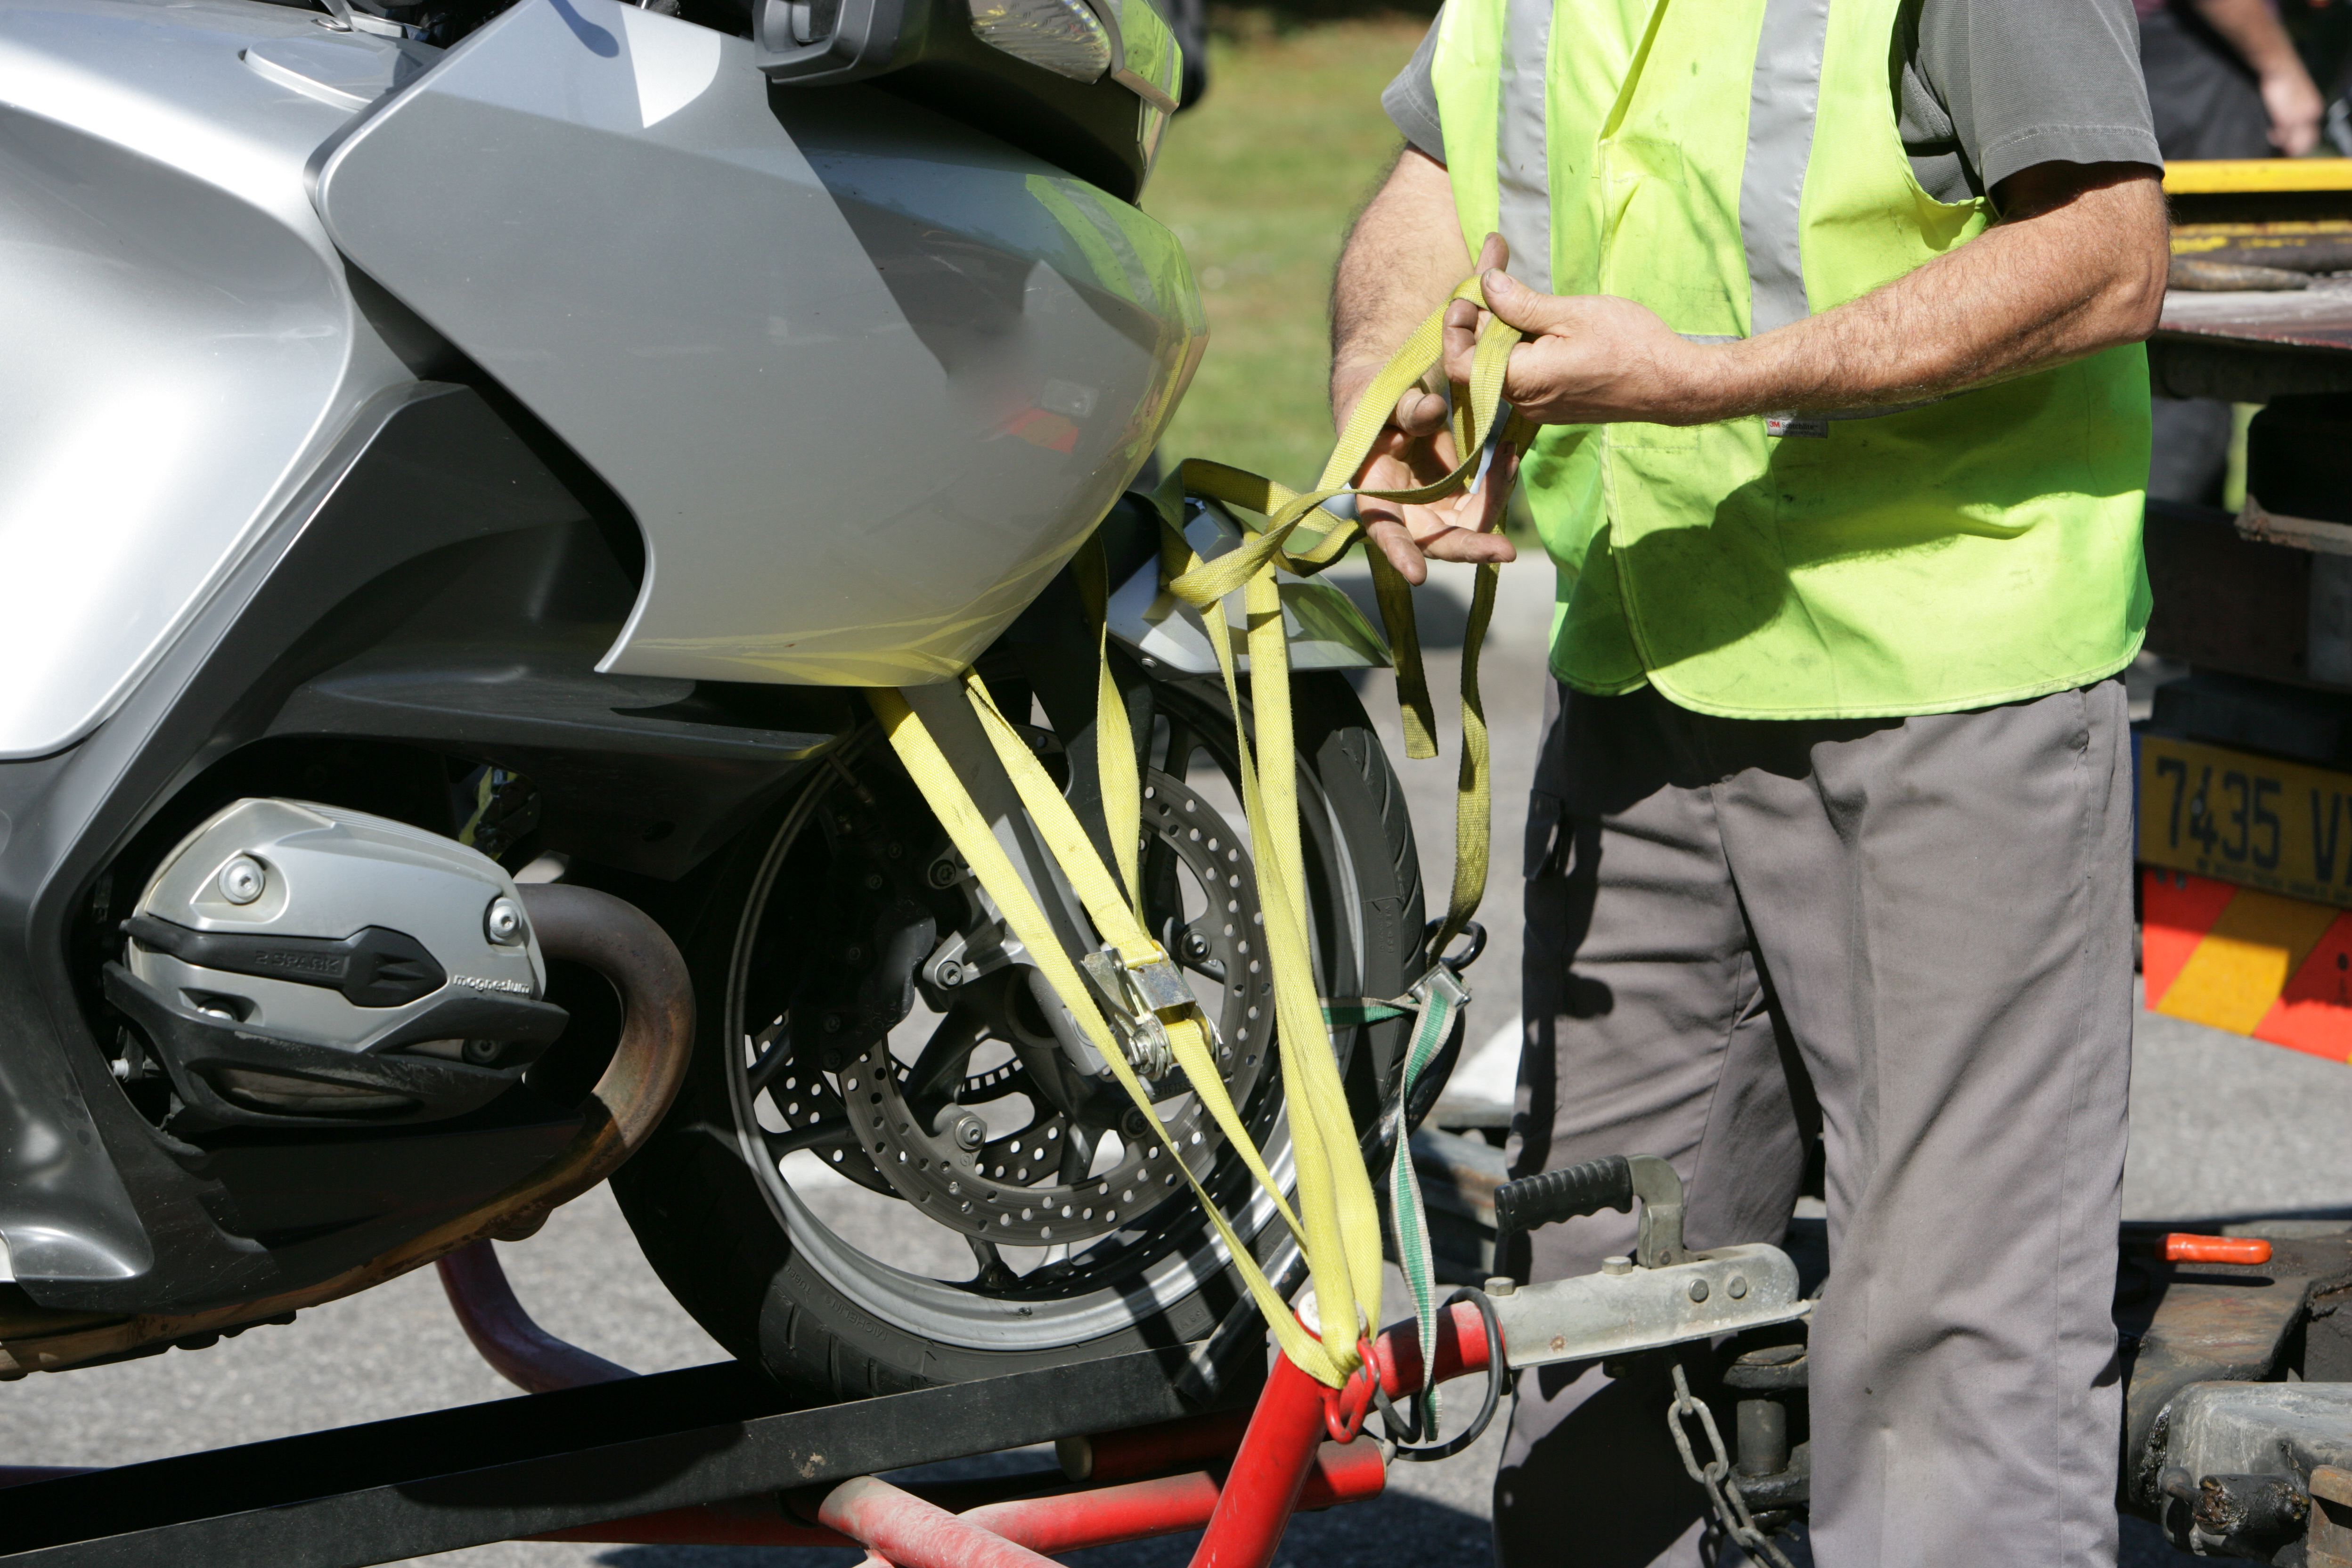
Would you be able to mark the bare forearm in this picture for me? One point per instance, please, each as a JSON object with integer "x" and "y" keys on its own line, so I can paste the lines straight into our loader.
{"x": 1401, "y": 261}
{"x": 2252, "y": 28}
{"x": 2077, "y": 265}
{"x": 2016, "y": 299}
{"x": 1402, "y": 257}
{"x": 2289, "y": 97}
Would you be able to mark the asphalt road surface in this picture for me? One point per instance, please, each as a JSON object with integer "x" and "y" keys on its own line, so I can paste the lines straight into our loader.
{"x": 2224, "y": 1130}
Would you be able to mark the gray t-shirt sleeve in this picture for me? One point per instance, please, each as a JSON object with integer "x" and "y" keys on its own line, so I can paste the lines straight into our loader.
{"x": 1983, "y": 88}
{"x": 1411, "y": 99}
{"x": 1986, "y": 87}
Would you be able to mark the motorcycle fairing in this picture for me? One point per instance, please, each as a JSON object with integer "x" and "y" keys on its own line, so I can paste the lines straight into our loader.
{"x": 865, "y": 377}
{"x": 195, "y": 349}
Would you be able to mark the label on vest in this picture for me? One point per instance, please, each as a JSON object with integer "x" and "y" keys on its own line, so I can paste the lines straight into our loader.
{"x": 1780, "y": 425}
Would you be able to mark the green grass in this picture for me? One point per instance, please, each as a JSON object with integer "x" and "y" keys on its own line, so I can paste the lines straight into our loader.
{"x": 1260, "y": 182}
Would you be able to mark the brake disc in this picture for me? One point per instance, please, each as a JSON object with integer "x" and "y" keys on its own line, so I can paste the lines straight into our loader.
{"x": 1035, "y": 1186}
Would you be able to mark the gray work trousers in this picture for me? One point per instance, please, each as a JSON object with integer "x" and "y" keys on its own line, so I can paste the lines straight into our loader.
{"x": 1914, "y": 936}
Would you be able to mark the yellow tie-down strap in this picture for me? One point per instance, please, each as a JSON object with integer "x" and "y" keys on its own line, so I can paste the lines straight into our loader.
{"x": 1334, "y": 1218}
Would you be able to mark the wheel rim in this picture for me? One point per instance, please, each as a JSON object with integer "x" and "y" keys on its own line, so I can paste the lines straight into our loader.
{"x": 1046, "y": 1278}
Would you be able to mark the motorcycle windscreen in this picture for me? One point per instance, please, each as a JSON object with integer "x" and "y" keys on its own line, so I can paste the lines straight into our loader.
{"x": 865, "y": 376}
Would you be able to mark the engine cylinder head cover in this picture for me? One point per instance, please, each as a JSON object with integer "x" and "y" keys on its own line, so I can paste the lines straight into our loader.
{"x": 291, "y": 960}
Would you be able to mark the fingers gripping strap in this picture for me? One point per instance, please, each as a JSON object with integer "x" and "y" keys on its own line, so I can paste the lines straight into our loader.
{"x": 1475, "y": 410}
{"x": 1285, "y": 508}
{"x": 1419, "y": 353}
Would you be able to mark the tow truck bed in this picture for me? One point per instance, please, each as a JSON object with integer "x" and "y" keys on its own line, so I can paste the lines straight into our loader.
{"x": 517, "y": 1467}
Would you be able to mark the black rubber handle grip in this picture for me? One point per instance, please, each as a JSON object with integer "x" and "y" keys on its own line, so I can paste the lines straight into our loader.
{"x": 1589, "y": 1188}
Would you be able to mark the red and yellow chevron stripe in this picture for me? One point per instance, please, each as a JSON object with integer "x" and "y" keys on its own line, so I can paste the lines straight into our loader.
{"x": 2256, "y": 964}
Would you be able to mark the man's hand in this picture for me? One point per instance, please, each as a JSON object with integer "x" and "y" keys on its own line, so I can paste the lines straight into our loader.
{"x": 2289, "y": 96}
{"x": 1587, "y": 358}
{"x": 2292, "y": 99}
{"x": 2076, "y": 265}
{"x": 1403, "y": 256}
{"x": 1417, "y": 449}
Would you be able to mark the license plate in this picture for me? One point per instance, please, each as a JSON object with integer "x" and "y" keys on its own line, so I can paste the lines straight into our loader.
{"x": 2280, "y": 826}
{"x": 2244, "y": 898}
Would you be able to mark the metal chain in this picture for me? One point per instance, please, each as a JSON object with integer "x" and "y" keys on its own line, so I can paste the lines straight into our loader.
{"x": 1722, "y": 1494}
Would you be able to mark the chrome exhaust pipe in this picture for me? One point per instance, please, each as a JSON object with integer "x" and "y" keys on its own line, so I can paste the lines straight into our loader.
{"x": 621, "y": 942}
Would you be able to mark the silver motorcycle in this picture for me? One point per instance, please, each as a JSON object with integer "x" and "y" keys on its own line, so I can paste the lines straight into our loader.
{"x": 457, "y": 465}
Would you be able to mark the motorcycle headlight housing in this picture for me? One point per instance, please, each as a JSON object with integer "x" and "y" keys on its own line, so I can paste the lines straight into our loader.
{"x": 1086, "y": 84}
{"x": 1065, "y": 36}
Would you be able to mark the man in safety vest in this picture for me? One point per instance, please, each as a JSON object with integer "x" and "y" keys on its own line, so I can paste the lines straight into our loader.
{"x": 1834, "y": 310}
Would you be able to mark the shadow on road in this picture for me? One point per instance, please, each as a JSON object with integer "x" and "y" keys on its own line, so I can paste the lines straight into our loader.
{"x": 2272, "y": 1222}
{"x": 1398, "y": 1528}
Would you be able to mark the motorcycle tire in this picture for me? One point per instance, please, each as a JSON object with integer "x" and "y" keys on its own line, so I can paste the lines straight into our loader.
{"x": 740, "y": 1234}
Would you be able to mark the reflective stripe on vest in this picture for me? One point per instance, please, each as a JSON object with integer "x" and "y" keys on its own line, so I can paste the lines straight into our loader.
{"x": 1780, "y": 107}
{"x": 1523, "y": 215}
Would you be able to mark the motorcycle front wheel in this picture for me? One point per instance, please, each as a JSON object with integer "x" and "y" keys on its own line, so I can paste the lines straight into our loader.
{"x": 884, "y": 1170}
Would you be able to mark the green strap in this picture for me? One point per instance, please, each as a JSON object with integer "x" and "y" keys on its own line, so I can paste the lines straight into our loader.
{"x": 1355, "y": 1010}
{"x": 1441, "y": 996}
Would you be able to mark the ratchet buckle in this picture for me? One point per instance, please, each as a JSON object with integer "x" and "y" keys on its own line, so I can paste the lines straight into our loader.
{"x": 1136, "y": 998}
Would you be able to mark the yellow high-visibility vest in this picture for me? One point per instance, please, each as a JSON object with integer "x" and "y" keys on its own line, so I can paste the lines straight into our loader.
{"x": 1734, "y": 167}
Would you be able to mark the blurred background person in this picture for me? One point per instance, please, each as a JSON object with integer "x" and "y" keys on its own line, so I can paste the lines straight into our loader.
{"x": 2224, "y": 82}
